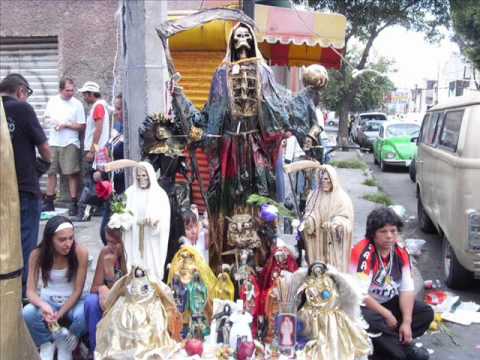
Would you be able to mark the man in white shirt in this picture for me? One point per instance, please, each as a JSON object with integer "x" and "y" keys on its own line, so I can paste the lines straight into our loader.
{"x": 66, "y": 117}
{"x": 97, "y": 133}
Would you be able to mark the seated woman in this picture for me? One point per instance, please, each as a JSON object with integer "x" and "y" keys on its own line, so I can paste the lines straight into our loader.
{"x": 383, "y": 267}
{"x": 61, "y": 264}
{"x": 111, "y": 266}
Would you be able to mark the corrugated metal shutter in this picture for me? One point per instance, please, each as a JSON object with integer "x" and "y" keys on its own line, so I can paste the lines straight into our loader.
{"x": 37, "y": 60}
{"x": 197, "y": 69}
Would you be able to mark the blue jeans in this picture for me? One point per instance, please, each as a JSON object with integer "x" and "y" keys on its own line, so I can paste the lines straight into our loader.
{"x": 38, "y": 327}
{"x": 93, "y": 315}
{"x": 30, "y": 210}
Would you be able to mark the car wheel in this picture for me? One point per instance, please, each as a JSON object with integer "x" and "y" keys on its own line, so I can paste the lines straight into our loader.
{"x": 424, "y": 221}
{"x": 456, "y": 276}
{"x": 383, "y": 166}
{"x": 412, "y": 171}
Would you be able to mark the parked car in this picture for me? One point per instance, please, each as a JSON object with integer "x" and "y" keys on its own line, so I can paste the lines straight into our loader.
{"x": 368, "y": 133}
{"x": 394, "y": 146}
{"x": 362, "y": 118}
{"x": 447, "y": 185}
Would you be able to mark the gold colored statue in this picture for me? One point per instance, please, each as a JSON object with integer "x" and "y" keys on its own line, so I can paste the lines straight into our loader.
{"x": 224, "y": 288}
{"x": 329, "y": 316}
{"x": 15, "y": 340}
{"x": 136, "y": 322}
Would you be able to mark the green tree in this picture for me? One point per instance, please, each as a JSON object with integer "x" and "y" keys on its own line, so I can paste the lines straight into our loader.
{"x": 366, "y": 20}
{"x": 372, "y": 88}
{"x": 466, "y": 23}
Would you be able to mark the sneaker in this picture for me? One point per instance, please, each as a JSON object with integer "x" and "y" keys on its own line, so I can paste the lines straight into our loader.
{"x": 48, "y": 205}
{"x": 66, "y": 346}
{"x": 47, "y": 350}
{"x": 417, "y": 353}
{"x": 73, "y": 209}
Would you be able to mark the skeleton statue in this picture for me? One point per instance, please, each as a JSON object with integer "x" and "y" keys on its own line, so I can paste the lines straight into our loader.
{"x": 146, "y": 240}
{"x": 136, "y": 320}
{"x": 244, "y": 121}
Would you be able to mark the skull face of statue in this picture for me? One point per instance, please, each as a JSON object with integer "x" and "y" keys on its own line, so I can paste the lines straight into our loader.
{"x": 241, "y": 231}
{"x": 143, "y": 180}
{"x": 241, "y": 38}
{"x": 326, "y": 182}
{"x": 280, "y": 256}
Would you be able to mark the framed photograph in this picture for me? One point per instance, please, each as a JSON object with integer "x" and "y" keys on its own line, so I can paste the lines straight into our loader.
{"x": 286, "y": 332}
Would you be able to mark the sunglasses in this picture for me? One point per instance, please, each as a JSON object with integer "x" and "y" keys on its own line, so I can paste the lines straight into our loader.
{"x": 29, "y": 91}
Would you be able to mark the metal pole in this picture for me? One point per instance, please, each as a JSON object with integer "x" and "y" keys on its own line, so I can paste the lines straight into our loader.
{"x": 145, "y": 70}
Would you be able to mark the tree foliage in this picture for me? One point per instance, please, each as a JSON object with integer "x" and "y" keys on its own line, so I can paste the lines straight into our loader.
{"x": 466, "y": 22}
{"x": 372, "y": 88}
{"x": 366, "y": 20}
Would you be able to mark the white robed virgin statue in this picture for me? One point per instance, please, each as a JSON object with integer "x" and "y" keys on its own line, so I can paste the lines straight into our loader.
{"x": 146, "y": 241}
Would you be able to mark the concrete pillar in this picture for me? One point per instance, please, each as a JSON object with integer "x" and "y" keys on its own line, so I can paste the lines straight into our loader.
{"x": 145, "y": 70}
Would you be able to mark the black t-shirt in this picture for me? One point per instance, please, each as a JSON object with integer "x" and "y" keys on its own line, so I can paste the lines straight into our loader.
{"x": 26, "y": 133}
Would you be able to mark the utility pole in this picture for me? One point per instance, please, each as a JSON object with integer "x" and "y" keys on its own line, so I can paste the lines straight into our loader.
{"x": 145, "y": 69}
{"x": 248, "y": 7}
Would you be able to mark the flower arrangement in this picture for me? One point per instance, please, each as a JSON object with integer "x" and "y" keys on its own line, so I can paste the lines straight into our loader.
{"x": 121, "y": 218}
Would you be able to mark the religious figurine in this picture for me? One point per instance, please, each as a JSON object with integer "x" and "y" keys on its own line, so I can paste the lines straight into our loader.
{"x": 271, "y": 310}
{"x": 244, "y": 269}
{"x": 224, "y": 324}
{"x": 280, "y": 260}
{"x": 197, "y": 295}
{"x": 250, "y": 294}
{"x": 224, "y": 288}
{"x": 240, "y": 330}
{"x": 328, "y": 222}
{"x": 146, "y": 241}
{"x": 180, "y": 294}
{"x": 185, "y": 263}
{"x": 136, "y": 321}
{"x": 243, "y": 123}
{"x": 331, "y": 316}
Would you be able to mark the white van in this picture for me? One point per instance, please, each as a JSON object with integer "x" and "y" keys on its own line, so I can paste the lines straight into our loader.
{"x": 448, "y": 185}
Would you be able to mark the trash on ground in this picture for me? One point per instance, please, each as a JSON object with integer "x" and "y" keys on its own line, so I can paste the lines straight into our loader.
{"x": 46, "y": 215}
{"x": 414, "y": 246}
{"x": 462, "y": 317}
{"x": 399, "y": 210}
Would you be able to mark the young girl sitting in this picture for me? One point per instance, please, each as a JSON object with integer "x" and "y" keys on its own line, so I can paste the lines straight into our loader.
{"x": 111, "y": 266}
{"x": 62, "y": 266}
{"x": 195, "y": 235}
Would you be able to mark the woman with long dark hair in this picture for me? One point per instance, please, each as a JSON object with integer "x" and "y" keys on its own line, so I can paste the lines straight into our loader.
{"x": 61, "y": 266}
{"x": 111, "y": 266}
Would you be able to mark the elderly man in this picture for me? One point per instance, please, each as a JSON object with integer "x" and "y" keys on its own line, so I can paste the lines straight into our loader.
{"x": 27, "y": 135}
{"x": 66, "y": 116}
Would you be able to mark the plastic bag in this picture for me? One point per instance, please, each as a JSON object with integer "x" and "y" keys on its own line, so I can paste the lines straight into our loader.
{"x": 414, "y": 246}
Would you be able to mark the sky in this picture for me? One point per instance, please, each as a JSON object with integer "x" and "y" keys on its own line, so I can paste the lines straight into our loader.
{"x": 415, "y": 59}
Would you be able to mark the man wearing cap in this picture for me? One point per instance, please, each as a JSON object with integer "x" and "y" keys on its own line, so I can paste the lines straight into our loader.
{"x": 66, "y": 116}
{"x": 27, "y": 135}
{"x": 97, "y": 128}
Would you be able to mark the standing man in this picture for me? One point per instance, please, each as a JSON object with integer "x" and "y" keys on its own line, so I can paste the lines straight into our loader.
{"x": 67, "y": 117}
{"x": 96, "y": 133}
{"x": 27, "y": 135}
